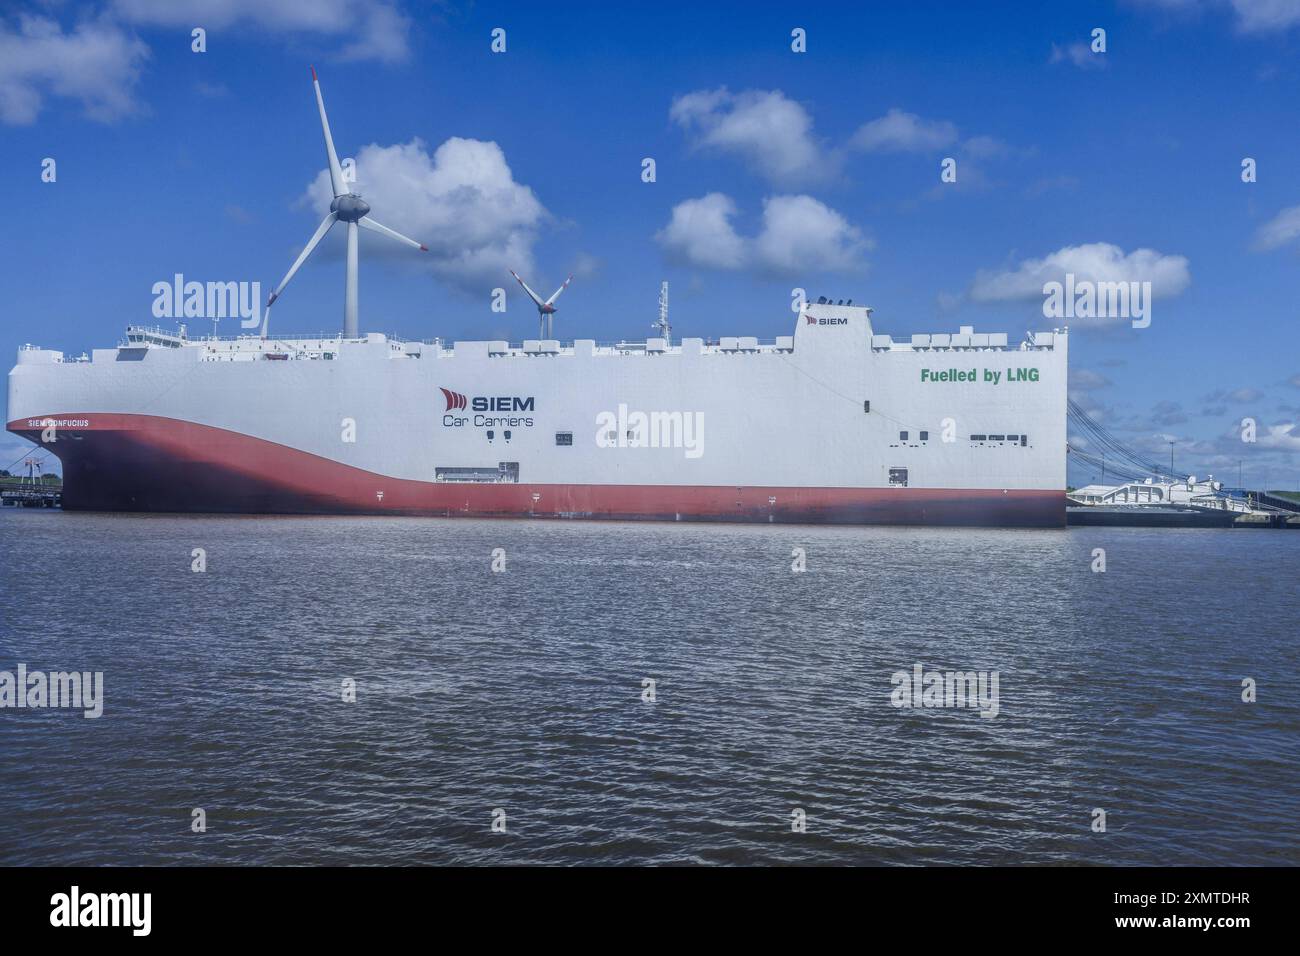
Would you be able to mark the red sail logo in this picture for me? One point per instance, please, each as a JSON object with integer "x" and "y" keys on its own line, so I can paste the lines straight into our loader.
{"x": 454, "y": 399}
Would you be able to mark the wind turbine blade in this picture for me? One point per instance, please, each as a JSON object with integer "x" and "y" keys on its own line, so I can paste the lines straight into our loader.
{"x": 383, "y": 230}
{"x": 336, "y": 171}
{"x": 302, "y": 257}
{"x": 559, "y": 290}
{"x": 531, "y": 294}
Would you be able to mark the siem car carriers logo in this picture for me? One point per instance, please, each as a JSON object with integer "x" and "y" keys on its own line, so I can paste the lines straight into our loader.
{"x": 488, "y": 403}
{"x": 813, "y": 320}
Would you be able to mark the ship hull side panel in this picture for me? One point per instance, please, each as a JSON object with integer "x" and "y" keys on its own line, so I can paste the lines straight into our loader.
{"x": 154, "y": 464}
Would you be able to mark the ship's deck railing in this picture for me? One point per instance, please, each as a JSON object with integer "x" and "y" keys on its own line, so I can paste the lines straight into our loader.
{"x": 156, "y": 330}
{"x": 278, "y": 337}
{"x": 252, "y": 342}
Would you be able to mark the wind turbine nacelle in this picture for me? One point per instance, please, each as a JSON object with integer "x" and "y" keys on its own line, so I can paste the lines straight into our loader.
{"x": 350, "y": 208}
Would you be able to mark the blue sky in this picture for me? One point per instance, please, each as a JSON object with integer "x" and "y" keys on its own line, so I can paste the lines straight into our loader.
{"x": 774, "y": 170}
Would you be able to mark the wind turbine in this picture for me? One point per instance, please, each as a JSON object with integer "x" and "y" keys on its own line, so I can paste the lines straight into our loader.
{"x": 544, "y": 309}
{"x": 347, "y": 207}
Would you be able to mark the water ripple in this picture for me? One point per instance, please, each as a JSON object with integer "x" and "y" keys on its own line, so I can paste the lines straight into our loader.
{"x": 523, "y": 691}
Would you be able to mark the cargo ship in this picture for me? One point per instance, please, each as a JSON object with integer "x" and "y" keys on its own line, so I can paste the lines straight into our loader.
{"x": 833, "y": 423}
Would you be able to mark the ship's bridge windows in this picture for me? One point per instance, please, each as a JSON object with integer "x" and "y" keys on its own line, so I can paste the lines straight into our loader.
{"x": 1021, "y": 440}
{"x": 925, "y": 436}
{"x": 898, "y": 477}
{"x": 564, "y": 438}
{"x": 902, "y": 436}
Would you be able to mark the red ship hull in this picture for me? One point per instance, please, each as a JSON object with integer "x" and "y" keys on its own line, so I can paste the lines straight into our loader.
{"x": 150, "y": 464}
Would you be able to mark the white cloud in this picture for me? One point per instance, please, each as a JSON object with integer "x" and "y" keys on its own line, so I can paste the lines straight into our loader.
{"x": 898, "y": 131}
{"x": 901, "y": 132}
{"x": 1279, "y": 230}
{"x": 1242, "y": 395}
{"x": 1080, "y": 54}
{"x": 1250, "y": 16}
{"x": 1284, "y": 436}
{"x": 462, "y": 202}
{"x": 985, "y": 147}
{"x": 765, "y": 128}
{"x": 1096, "y": 262}
{"x": 1166, "y": 414}
{"x": 1086, "y": 380}
{"x": 799, "y": 234}
{"x": 374, "y": 30}
{"x": 700, "y": 233}
{"x": 96, "y": 63}
{"x": 585, "y": 265}
{"x": 1262, "y": 16}
{"x": 382, "y": 36}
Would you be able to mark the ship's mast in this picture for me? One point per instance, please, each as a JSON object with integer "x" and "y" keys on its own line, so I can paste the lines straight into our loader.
{"x": 665, "y": 330}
